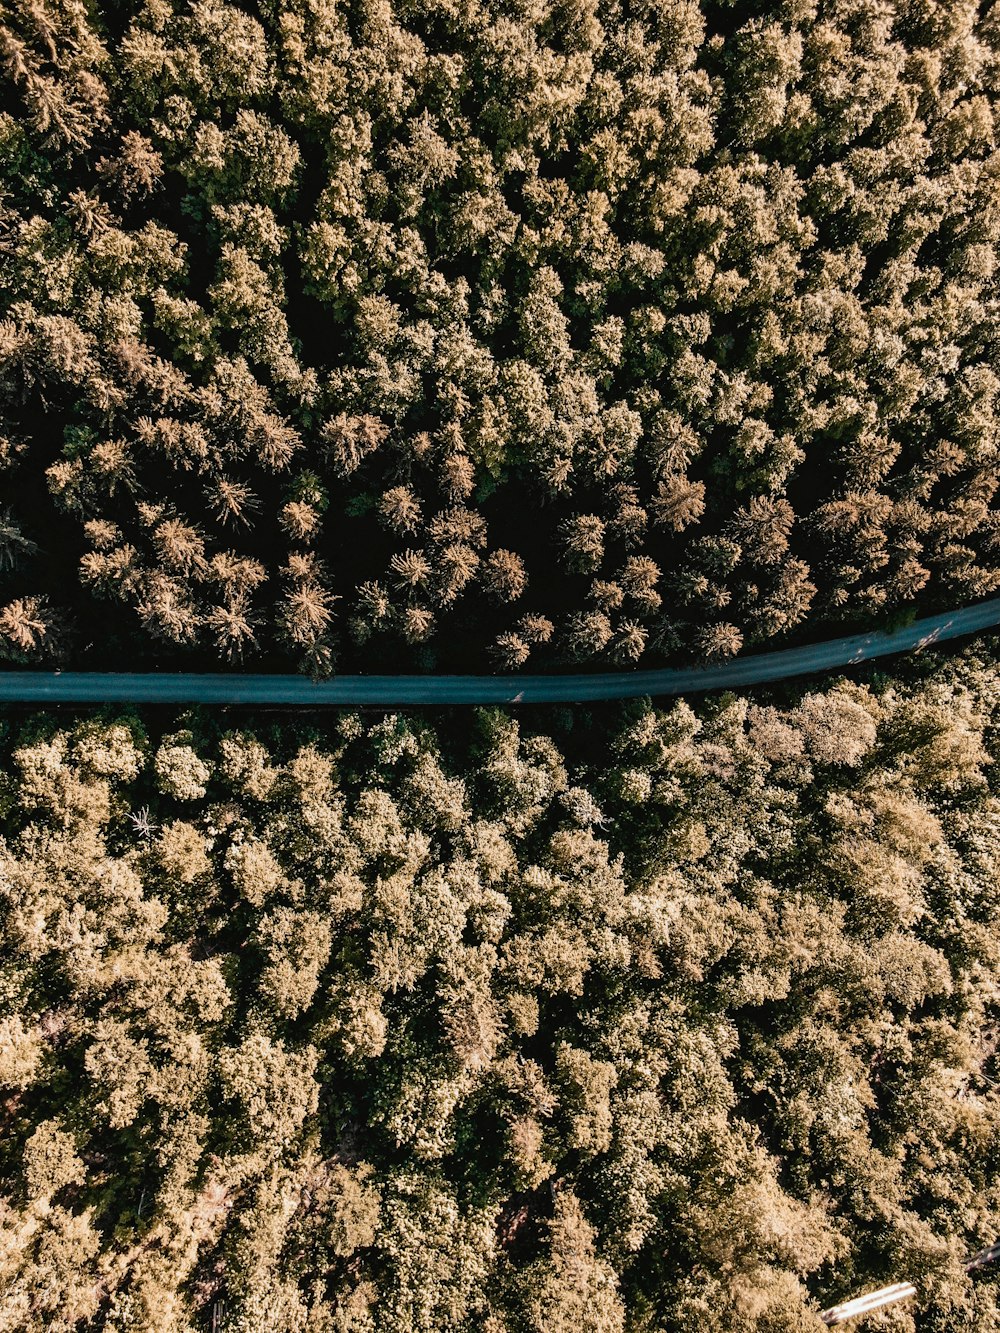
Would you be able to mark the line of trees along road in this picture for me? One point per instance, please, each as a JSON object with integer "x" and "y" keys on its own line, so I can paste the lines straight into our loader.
{"x": 570, "y": 687}
{"x": 634, "y": 1021}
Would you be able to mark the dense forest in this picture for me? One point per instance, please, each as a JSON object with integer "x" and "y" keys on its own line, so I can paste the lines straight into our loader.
{"x": 636, "y": 1021}
{"x": 473, "y": 335}
{"x": 468, "y": 332}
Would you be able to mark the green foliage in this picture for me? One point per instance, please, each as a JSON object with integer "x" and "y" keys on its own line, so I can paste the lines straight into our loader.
{"x": 674, "y": 1019}
{"x": 407, "y": 330}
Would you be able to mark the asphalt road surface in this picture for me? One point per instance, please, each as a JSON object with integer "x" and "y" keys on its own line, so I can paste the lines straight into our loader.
{"x": 153, "y": 687}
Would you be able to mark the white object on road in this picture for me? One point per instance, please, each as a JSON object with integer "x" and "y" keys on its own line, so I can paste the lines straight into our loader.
{"x": 875, "y": 1300}
{"x": 900, "y": 1291}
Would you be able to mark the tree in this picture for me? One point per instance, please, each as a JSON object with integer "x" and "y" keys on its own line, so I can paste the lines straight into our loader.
{"x": 678, "y": 503}
{"x": 510, "y": 651}
{"x": 583, "y": 542}
{"x": 297, "y": 946}
{"x": 274, "y": 1089}
{"x": 233, "y": 626}
{"x": 306, "y": 613}
{"x": 573, "y": 1289}
{"x": 587, "y": 633}
{"x": 438, "y": 1255}
{"x": 718, "y": 640}
{"x": 638, "y": 579}
{"x": 180, "y": 771}
{"x": 232, "y": 501}
{"x": 504, "y": 575}
{"x": 182, "y": 852}
{"x": 26, "y": 626}
{"x": 351, "y": 439}
{"x": 400, "y": 509}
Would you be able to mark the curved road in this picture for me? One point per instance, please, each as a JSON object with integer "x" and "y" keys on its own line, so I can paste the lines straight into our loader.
{"x": 152, "y": 687}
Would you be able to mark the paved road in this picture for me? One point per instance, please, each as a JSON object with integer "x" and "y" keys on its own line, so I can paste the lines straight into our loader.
{"x": 153, "y": 687}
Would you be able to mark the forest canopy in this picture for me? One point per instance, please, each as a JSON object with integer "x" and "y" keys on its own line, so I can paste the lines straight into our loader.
{"x": 476, "y": 332}
{"x": 451, "y": 335}
{"x": 643, "y": 1021}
